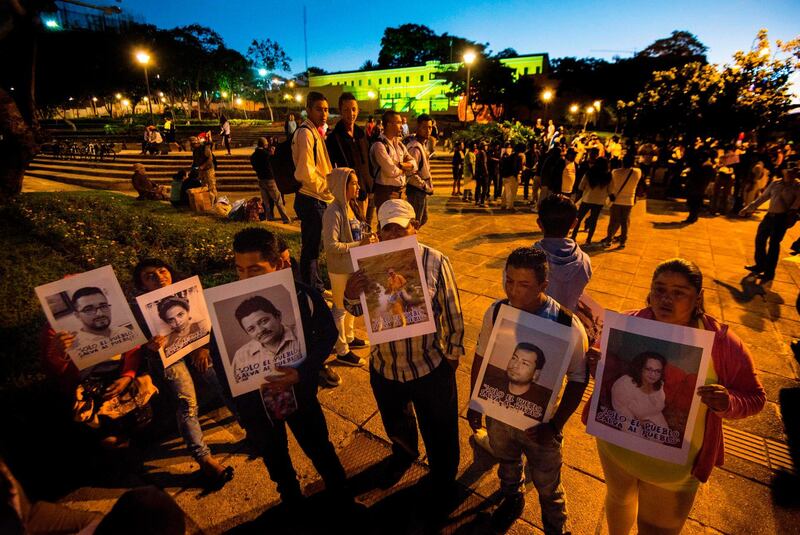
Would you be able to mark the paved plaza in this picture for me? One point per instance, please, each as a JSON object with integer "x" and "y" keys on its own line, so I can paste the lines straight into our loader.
{"x": 739, "y": 498}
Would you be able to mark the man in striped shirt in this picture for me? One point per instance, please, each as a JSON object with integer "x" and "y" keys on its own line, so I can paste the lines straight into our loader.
{"x": 418, "y": 371}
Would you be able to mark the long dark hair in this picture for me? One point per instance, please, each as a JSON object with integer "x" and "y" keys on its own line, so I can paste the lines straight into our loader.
{"x": 636, "y": 367}
{"x": 689, "y": 270}
{"x": 598, "y": 174}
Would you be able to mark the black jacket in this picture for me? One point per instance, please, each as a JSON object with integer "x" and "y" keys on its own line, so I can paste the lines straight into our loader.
{"x": 260, "y": 160}
{"x": 352, "y": 152}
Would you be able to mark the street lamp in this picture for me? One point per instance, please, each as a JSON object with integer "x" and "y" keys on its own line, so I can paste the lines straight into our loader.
{"x": 469, "y": 59}
{"x": 144, "y": 59}
{"x": 372, "y": 96}
{"x": 263, "y": 74}
{"x": 547, "y": 96}
{"x": 589, "y": 111}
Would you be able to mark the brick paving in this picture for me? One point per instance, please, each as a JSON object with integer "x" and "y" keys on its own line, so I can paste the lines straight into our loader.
{"x": 740, "y": 497}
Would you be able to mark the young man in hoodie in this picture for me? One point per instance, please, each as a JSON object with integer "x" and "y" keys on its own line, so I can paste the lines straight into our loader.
{"x": 570, "y": 267}
{"x": 343, "y": 227}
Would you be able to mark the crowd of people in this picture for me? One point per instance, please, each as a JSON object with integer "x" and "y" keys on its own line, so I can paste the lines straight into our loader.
{"x": 344, "y": 181}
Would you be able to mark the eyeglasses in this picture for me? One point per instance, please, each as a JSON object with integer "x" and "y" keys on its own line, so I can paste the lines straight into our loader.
{"x": 653, "y": 370}
{"x": 92, "y": 310}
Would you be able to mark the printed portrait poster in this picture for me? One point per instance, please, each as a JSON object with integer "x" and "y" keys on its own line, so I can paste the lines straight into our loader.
{"x": 91, "y": 305}
{"x": 398, "y": 303}
{"x": 645, "y": 396}
{"x": 591, "y": 313}
{"x": 179, "y": 313}
{"x": 523, "y": 368}
{"x": 257, "y": 328}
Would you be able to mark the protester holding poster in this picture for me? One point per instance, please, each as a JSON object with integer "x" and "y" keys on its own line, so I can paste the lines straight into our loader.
{"x": 663, "y": 492}
{"x": 418, "y": 370}
{"x": 151, "y": 275}
{"x": 265, "y": 411}
{"x": 526, "y": 276}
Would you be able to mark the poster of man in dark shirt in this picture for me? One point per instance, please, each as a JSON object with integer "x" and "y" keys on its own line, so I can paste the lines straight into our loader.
{"x": 516, "y": 387}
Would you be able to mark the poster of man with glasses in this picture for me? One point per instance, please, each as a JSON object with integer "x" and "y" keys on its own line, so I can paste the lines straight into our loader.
{"x": 92, "y": 307}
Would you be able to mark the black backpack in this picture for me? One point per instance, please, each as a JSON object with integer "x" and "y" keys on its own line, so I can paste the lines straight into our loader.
{"x": 283, "y": 164}
{"x": 564, "y": 316}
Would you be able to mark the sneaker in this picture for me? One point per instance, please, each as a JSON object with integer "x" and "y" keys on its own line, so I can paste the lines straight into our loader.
{"x": 481, "y": 439}
{"x": 358, "y": 343}
{"x": 507, "y": 512}
{"x": 329, "y": 378}
{"x": 350, "y": 359}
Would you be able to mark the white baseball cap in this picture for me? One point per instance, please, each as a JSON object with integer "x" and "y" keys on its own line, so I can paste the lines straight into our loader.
{"x": 395, "y": 211}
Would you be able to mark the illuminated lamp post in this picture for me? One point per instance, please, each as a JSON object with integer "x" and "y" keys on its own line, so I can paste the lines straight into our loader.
{"x": 469, "y": 59}
{"x": 144, "y": 59}
{"x": 547, "y": 96}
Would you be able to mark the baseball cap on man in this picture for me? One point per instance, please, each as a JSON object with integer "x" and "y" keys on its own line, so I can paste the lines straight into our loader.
{"x": 395, "y": 211}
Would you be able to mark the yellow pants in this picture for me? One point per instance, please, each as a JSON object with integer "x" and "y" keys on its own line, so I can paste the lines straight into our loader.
{"x": 656, "y": 510}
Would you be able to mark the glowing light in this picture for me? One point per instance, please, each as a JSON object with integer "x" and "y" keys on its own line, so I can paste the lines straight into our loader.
{"x": 126, "y": 102}
{"x": 291, "y": 83}
{"x": 163, "y": 99}
{"x": 118, "y": 96}
{"x": 371, "y": 94}
{"x": 547, "y": 95}
{"x": 597, "y": 104}
{"x": 51, "y": 24}
{"x": 298, "y": 97}
{"x": 574, "y": 108}
{"x": 160, "y": 93}
{"x": 94, "y": 99}
{"x": 590, "y": 110}
{"x": 262, "y": 72}
{"x": 469, "y": 57}
{"x": 224, "y": 94}
{"x": 143, "y": 57}
{"x": 239, "y": 101}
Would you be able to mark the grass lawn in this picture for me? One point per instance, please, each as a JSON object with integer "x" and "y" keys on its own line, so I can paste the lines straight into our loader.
{"x": 44, "y": 236}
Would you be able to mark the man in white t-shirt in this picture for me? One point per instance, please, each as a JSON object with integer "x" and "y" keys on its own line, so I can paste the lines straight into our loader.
{"x": 525, "y": 282}
{"x": 622, "y": 192}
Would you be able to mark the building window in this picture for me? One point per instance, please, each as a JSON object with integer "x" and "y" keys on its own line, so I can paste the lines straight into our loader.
{"x": 421, "y": 77}
{"x": 432, "y": 76}
{"x": 538, "y": 70}
{"x": 369, "y": 82}
{"x": 526, "y": 70}
{"x": 380, "y": 81}
{"x": 397, "y": 79}
{"x": 408, "y": 79}
{"x": 359, "y": 83}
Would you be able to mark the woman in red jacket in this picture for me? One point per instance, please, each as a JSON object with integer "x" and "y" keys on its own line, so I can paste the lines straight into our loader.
{"x": 658, "y": 495}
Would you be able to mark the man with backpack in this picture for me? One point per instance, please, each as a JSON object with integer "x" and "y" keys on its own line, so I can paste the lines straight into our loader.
{"x": 312, "y": 166}
{"x": 390, "y": 161}
{"x": 203, "y": 163}
{"x": 419, "y": 184}
{"x": 270, "y": 195}
{"x": 526, "y": 277}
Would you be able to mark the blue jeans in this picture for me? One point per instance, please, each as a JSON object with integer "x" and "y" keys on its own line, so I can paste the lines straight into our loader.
{"x": 509, "y": 444}
{"x": 310, "y": 211}
{"x": 181, "y": 385}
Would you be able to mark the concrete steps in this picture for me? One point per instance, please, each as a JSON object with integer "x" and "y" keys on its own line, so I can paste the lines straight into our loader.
{"x": 234, "y": 173}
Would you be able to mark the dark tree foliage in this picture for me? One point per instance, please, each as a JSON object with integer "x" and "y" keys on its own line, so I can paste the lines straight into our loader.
{"x": 414, "y": 44}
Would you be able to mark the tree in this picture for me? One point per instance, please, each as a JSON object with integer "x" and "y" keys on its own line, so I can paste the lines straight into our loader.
{"x": 269, "y": 55}
{"x": 369, "y": 65}
{"x": 750, "y": 94}
{"x": 680, "y": 43}
{"x": 491, "y": 85}
{"x": 414, "y": 44}
{"x": 506, "y": 53}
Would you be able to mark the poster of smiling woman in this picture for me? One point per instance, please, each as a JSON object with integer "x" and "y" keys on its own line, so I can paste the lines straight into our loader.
{"x": 179, "y": 313}
{"x": 645, "y": 396}
{"x": 92, "y": 307}
{"x": 523, "y": 368}
{"x": 257, "y": 328}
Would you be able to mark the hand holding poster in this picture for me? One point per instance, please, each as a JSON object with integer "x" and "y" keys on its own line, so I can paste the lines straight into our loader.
{"x": 91, "y": 307}
{"x": 644, "y": 397}
{"x": 523, "y": 368}
{"x": 397, "y": 304}
{"x": 591, "y": 313}
{"x": 179, "y": 313}
{"x": 257, "y": 328}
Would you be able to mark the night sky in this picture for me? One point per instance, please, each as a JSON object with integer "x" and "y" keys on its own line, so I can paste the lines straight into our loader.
{"x": 341, "y": 38}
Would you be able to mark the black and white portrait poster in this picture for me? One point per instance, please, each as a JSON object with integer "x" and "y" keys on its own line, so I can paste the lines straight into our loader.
{"x": 645, "y": 396}
{"x": 398, "y": 302}
{"x": 257, "y": 328}
{"x": 179, "y": 313}
{"x": 93, "y": 308}
{"x": 523, "y": 368}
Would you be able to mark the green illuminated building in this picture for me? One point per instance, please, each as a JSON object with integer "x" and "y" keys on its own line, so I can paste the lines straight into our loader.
{"x": 412, "y": 89}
